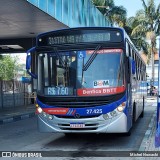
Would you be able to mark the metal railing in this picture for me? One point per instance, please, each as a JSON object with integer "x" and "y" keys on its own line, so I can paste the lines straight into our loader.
{"x": 13, "y": 94}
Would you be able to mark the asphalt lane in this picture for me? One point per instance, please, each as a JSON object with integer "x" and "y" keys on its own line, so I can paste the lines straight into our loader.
{"x": 24, "y": 136}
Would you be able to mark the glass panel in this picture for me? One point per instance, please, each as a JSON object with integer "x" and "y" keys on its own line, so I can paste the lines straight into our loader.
{"x": 65, "y": 11}
{"x": 59, "y": 10}
{"x": 76, "y": 14}
{"x": 51, "y": 7}
{"x": 43, "y": 5}
{"x": 35, "y": 2}
{"x": 70, "y": 12}
{"x": 80, "y": 72}
{"x": 81, "y": 12}
{"x": 105, "y": 67}
{"x": 85, "y": 14}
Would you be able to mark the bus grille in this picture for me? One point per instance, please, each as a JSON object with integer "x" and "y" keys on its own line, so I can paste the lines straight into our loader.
{"x": 77, "y": 104}
{"x": 72, "y": 117}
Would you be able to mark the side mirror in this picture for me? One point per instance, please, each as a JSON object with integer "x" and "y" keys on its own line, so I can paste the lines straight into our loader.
{"x": 28, "y": 62}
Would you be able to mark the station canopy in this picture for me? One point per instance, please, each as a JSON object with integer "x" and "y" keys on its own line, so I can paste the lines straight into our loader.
{"x": 20, "y": 23}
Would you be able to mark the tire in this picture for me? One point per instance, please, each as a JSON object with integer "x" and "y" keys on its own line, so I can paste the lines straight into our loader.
{"x": 142, "y": 114}
{"x": 133, "y": 121}
{"x": 134, "y": 111}
{"x": 128, "y": 133}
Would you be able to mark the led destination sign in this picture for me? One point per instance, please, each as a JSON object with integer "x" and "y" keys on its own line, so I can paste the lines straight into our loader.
{"x": 79, "y": 36}
{"x": 94, "y": 37}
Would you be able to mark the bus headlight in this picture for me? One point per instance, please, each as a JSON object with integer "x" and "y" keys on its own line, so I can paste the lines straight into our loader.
{"x": 50, "y": 117}
{"x": 44, "y": 114}
{"x": 121, "y": 107}
{"x": 36, "y": 105}
{"x": 39, "y": 109}
{"x": 106, "y": 116}
{"x": 113, "y": 113}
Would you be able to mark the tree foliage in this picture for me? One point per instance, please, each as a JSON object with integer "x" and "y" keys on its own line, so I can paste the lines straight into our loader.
{"x": 146, "y": 23}
{"x": 142, "y": 28}
{"x": 116, "y": 14}
{"x": 145, "y": 28}
{"x": 7, "y": 67}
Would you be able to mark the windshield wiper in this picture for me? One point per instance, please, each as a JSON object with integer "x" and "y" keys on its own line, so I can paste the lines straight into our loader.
{"x": 60, "y": 58}
{"x": 91, "y": 58}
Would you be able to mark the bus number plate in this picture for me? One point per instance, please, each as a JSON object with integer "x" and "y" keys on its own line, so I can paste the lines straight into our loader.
{"x": 77, "y": 125}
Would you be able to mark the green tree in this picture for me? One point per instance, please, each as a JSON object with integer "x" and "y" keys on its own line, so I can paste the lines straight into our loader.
{"x": 146, "y": 26}
{"x": 116, "y": 14}
{"x": 139, "y": 40}
{"x": 7, "y": 67}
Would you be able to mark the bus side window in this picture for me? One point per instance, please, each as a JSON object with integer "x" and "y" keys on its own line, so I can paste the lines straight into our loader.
{"x": 136, "y": 60}
{"x": 139, "y": 69}
{"x": 133, "y": 57}
{"x": 127, "y": 49}
{"x": 131, "y": 54}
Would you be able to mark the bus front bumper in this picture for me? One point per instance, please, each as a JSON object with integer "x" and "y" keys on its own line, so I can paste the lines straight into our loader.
{"x": 116, "y": 124}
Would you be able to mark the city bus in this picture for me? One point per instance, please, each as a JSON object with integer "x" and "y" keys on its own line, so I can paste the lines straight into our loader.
{"x": 89, "y": 80}
{"x": 157, "y": 133}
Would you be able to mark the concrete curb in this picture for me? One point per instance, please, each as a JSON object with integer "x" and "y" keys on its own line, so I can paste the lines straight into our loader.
{"x": 148, "y": 133}
{"x": 16, "y": 118}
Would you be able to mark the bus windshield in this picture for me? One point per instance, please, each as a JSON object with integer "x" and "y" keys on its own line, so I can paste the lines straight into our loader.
{"x": 81, "y": 73}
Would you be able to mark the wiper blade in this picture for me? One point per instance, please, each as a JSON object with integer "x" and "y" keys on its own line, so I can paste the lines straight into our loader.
{"x": 60, "y": 58}
{"x": 91, "y": 58}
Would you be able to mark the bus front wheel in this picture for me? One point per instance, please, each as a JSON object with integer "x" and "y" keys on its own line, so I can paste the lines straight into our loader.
{"x": 134, "y": 113}
{"x": 142, "y": 114}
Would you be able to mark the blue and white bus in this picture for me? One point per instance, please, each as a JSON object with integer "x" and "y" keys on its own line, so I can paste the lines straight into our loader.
{"x": 157, "y": 134}
{"x": 89, "y": 80}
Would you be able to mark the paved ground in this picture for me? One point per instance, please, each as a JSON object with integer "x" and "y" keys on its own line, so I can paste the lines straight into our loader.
{"x": 17, "y": 113}
{"x": 147, "y": 144}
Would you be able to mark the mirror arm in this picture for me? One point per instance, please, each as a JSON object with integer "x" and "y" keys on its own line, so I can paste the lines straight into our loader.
{"x": 31, "y": 74}
{"x": 28, "y": 64}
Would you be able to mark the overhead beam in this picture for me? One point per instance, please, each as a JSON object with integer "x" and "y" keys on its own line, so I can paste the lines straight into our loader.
{"x": 25, "y": 43}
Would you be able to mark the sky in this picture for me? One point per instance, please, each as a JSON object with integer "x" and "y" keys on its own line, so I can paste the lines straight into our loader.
{"x": 21, "y": 57}
{"x": 132, "y": 5}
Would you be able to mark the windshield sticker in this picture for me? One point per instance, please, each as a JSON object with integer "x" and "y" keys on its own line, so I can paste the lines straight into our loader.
{"x": 100, "y": 91}
{"x": 100, "y": 83}
{"x": 81, "y": 54}
{"x": 105, "y": 51}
